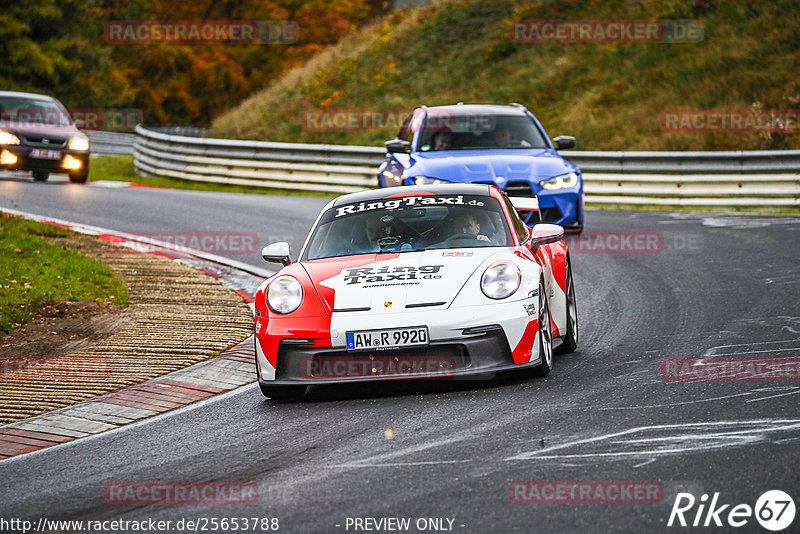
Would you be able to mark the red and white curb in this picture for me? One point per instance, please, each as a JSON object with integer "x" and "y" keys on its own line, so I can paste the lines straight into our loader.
{"x": 230, "y": 370}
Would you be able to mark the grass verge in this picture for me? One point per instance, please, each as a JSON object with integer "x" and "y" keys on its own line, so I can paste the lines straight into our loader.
{"x": 33, "y": 271}
{"x": 611, "y": 96}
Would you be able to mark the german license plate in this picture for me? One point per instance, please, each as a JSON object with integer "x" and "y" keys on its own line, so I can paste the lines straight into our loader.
{"x": 387, "y": 339}
{"x": 40, "y": 153}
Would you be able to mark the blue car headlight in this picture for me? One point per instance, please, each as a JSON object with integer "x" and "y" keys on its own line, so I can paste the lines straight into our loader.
{"x": 561, "y": 181}
{"x": 427, "y": 180}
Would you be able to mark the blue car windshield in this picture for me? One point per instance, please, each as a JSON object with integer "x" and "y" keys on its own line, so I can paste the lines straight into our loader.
{"x": 409, "y": 224}
{"x": 475, "y": 132}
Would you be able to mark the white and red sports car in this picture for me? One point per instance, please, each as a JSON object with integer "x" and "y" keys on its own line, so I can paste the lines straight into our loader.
{"x": 440, "y": 281}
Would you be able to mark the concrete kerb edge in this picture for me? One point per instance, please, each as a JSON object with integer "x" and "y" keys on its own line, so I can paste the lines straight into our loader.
{"x": 135, "y": 403}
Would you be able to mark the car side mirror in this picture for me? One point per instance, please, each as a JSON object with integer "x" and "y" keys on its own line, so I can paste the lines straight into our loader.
{"x": 277, "y": 253}
{"x": 564, "y": 142}
{"x": 397, "y": 145}
{"x": 542, "y": 234}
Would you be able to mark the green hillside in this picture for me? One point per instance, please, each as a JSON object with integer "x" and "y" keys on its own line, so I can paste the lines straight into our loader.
{"x": 610, "y": 96}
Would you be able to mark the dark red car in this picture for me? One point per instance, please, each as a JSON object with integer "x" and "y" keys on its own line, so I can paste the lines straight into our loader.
{"x": 37, "y": 134}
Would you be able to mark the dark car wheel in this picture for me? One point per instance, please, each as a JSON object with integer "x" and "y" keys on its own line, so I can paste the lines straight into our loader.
{"x": 545, "y": 336}
{"x": 40, "y": 176}
{"x": 570, "y": 342}
{"x": 78, "y": 178}
{"x": 282, "y": 392}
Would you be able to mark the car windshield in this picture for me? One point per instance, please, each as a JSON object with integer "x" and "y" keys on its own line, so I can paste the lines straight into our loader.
{"x": 24, "y": 111}
{"x": 408, "y": 224}
{"x": 445, "y": 131}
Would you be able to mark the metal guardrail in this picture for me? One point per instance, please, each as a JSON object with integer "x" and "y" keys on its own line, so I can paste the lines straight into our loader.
{"x": 735, "y": 178}
{"x": 110, "y": 143}
{"x": 731, "y": 162}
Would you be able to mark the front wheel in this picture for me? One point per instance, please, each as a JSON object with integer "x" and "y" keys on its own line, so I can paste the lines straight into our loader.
{"x": 282, "y": 392}
{"x": 570, "y": 342}
{"x": 39, "y": 176}
{"x": 78, "y": 178}
{"x": 545, "y": 336}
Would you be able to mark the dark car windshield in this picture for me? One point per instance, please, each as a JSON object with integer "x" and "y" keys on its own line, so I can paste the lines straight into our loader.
{"x": 17, "y": 110}
{"x": 446, "y": 131}
{"x": 408, "y": 224}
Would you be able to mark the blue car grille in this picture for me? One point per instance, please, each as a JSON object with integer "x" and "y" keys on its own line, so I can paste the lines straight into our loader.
{"x": 519, "y": 189}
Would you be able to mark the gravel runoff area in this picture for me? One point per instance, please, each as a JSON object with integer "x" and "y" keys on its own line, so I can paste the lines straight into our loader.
{"x": 178, "y": 316}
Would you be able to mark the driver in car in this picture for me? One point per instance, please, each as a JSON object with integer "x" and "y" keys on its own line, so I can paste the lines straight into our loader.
{"x": 466, "y": 223}
{"x": 375, "y": 228}
{"x": 504, "y": 138}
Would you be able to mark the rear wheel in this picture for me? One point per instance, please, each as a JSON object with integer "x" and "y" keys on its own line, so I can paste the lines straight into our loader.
{"x": 545, "y": 336}
{"x": 570, "y": 342}
{"x": 39, "y": 176}
{"x": 282, "y": 392}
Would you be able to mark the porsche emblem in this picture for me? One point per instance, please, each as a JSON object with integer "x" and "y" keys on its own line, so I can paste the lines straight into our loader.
{"x": 387, "y": 304}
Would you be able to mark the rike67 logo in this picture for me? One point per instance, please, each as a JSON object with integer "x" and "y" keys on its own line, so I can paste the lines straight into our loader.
{"x": 774, "y": 510}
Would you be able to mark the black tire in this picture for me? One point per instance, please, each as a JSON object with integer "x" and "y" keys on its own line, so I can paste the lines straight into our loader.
{"x": 570, "y": 341}
{"x": 282, "y": 392}
{"x": 78, "y": 178}
{"x": 39, "y": 176}
{"x": 545, "y": 336}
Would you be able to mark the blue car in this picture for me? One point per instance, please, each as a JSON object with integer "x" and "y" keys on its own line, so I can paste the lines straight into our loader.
{"x": 501, "y": 145}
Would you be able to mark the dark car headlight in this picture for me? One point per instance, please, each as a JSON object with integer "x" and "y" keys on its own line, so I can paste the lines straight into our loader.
{"x": 392, "y": 179}
{"x": 561, "y": 181}
{"x": 79, "y": 143}
{"x": 7, "y": 138}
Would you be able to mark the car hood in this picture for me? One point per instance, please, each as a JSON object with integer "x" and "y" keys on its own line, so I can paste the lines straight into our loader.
{"x": 491, "y": 166}
{"x": 432, "y": 278}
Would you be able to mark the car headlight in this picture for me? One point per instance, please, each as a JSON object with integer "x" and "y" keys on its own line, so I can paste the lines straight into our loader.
{"x": 285, "y": 294}
{"x": 392, "y": 179}
{"x": 427, "y": 180}
{"x": 501, "y": 280}
{"x": 560, "y": 182}
{"x": 78, "y": 143}
{"x": 7, "y": 138}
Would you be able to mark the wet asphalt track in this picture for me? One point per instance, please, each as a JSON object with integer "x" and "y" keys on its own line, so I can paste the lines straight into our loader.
{"x": 717, "y": 285}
